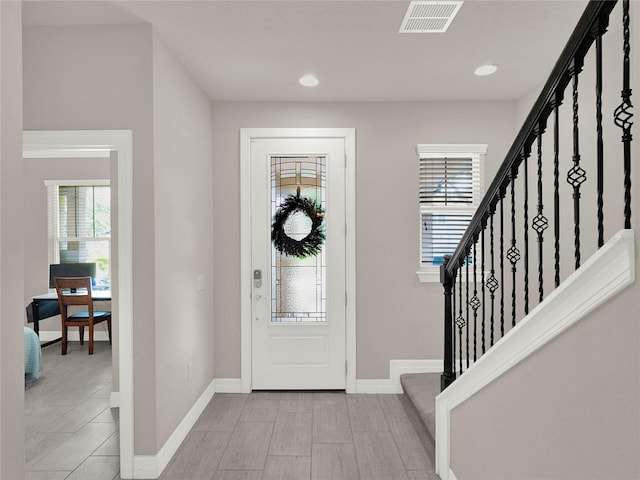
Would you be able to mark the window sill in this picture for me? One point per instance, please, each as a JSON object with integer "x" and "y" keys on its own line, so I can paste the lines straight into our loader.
{"x": 429, "y": 275}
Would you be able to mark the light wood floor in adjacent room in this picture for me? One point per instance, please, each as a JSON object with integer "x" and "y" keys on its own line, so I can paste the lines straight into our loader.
{"x": 71, "y": 433}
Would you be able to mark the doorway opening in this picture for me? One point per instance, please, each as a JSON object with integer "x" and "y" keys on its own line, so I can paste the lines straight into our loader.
{"x": 117, "y": 145}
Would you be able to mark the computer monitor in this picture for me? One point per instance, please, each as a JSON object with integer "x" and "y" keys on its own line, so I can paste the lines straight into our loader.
{"x": 71, "y": 270}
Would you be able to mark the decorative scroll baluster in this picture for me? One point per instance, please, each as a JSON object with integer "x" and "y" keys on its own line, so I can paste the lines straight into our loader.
{"x": 475, "y": 303}
{"x": 483, "y": 250}
{"x": 525, "y": 225}
{"x": 623, "y": 114}
{"x": 513, "y": 254}
{"x": 557, "y": 100}
{"x": 460, "y": 320}
{"x": 540, "y": 222}
{"x": 492, "y": 283}
{"x": 576, "y": 175}
{"x": 467, "y": 303}
{"x": 502, "y": 194}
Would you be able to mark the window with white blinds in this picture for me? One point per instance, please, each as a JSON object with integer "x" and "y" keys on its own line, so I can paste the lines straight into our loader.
{"x": 79, "y": 225}
{"x": 450, "y": 189}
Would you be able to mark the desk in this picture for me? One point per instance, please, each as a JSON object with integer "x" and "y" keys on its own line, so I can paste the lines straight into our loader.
{"x": 46, "y": 305}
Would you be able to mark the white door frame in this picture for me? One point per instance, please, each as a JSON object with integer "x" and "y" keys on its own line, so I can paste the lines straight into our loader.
{"x": 246, "y": 136}
{"x": 100, "y": 144}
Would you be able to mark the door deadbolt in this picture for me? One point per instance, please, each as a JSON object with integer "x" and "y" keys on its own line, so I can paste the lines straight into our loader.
{"x": 257, "y": 278}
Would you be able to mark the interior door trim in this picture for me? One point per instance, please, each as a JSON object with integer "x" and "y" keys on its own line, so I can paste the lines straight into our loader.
{"x": 247, "y": 135}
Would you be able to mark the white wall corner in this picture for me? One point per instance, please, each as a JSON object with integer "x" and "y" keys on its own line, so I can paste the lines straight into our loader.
{"x": 228, "y": 385}
{"x": 397, "y": 368}
{"x": 606, "y": 273}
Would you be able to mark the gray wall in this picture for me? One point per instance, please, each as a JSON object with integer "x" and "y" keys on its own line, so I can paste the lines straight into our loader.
{"x": 568, "y": 412}
{"x": 183, "y": 239}
{"x": 398, "y": 317}
{"x": 82, "y": 78}
{"x": 11, "y": 248}
{"x": 123, "y": 77}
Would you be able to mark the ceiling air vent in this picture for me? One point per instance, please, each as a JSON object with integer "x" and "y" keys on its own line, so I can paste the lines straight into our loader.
{"x": 429, "y": 16}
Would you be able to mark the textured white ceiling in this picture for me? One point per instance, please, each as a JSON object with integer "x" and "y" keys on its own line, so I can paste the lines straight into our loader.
{"x": 256, "y": 50}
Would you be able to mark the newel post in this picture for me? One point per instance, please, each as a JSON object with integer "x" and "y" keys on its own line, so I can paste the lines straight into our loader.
{"x": 449, "y": 374}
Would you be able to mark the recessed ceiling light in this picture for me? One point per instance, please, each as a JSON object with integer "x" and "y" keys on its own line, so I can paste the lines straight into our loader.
{"x": 309, "y": 80}
{"x": 485, "y": 70}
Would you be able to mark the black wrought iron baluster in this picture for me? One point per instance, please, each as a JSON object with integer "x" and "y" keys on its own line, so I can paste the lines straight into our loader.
{"x": 556, "y": 102}
{"x": 492, "y": 283}
{"x": 455, "y": 319}
{"x": 502, "y": 194}
{"x": 475, "y": 302}
{"x": 540, "y": 222}
{"x": 513, "y": 254}
{"x": 460, "y": 320}
{"x": 598, "y": 31}
{"x": 466, "y": 261}
{"x": 623, "y": 114}
{"x": 576, "y": 175}
{"x": 483, "y": 301}
{"x": 525, "y": 225}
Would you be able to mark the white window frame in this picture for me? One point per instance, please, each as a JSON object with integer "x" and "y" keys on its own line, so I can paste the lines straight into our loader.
{"x": 477, "y": 153}
{"x": 53, "y": 238}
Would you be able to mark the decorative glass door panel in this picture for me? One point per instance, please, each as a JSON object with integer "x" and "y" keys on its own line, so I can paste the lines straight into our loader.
{"x": 298, "y": 256}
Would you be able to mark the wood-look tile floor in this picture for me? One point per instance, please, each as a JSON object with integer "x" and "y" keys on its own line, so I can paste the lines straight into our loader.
{"x": 71, "y": 433}
{"x": 303, "y": 436}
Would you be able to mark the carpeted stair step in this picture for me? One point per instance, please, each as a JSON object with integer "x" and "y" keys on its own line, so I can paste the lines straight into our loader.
{"x": 421, "y": 390}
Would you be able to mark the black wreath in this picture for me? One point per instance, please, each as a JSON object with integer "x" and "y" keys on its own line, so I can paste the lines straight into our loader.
{"x": 309, "y": 245}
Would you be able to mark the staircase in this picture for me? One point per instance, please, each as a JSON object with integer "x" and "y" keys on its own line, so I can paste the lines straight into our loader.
{"x": 550, "y": 244}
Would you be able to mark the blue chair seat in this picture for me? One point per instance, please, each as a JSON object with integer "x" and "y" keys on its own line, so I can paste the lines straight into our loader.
{"x": 85, "y": 316}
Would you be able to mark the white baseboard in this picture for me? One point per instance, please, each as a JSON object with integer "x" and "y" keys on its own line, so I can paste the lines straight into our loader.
{"x": 145, "y": 467}
{"x": 397, "y": 368}
{"x": 228, "y": 385}
{"x": 73, "y": 335}
{"x": 607, "y": 272}
{"x": 152, "y": 466}
{"x": 114, "y": 400}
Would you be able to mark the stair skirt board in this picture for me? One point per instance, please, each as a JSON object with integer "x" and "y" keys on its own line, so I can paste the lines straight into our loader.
{"x": 606, "y": 273}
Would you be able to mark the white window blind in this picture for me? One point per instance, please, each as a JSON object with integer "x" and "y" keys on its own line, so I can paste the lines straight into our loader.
{"x": 450, "y": 189}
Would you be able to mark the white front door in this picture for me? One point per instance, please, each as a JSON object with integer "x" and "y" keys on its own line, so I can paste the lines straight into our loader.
{"x": 298, "y": 264}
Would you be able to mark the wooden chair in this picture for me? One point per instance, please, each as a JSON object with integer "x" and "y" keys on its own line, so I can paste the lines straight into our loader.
{"x": 77, "y": 291}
